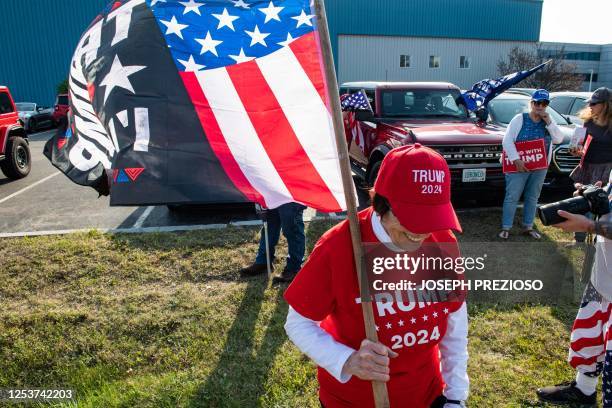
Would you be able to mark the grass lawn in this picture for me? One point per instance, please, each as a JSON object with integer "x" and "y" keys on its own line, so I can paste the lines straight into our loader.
{"x": 164, "y": 320}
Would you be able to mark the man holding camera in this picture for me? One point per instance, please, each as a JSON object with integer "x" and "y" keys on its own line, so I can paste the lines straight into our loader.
{"x": 591, "y": 339}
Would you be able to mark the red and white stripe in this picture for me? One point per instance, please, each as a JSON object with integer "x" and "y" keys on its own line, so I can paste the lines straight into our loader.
{"x": 356, "y": 133}
{"x": 270, "y": 127}
{"x": 590, "y": 335}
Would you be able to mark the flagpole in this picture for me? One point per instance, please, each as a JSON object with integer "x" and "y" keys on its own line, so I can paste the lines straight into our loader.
{"x": 268, "y": 265}
{"x": 381, "y": 396}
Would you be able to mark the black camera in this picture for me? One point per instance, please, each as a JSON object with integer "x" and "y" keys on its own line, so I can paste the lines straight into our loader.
{"x": 592, "y": 199}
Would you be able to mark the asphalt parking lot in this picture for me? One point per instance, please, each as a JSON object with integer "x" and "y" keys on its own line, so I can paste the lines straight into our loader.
{"x": 47, "y": 202}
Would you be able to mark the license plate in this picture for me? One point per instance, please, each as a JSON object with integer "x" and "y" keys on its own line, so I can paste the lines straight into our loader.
{"x": 474, "y": 175}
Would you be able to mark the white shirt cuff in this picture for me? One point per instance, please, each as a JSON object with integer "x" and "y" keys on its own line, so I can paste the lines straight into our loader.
{"x": 454, "y": 356}
{"x": 318, "y": 344}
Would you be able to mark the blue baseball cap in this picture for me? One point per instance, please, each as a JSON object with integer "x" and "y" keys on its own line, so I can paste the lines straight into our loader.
{"x": 540, "y": 95}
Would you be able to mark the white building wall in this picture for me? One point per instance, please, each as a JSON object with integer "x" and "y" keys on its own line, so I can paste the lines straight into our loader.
{"x": 602, "y": 67}
{"x": 605, "y": 66}
{"x": 377, "y": 58}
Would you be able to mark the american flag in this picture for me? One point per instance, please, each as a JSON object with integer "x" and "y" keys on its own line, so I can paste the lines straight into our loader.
{"x": 350, "y": 104}
{"x": 591, "y": 340}
{"x": 253, "y": 70}
{"x": 355, "y": 101}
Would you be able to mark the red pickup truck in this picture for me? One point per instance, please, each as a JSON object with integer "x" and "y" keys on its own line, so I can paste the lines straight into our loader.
{"x": 15, "y": 160}
{"x": 60, "y": 111}
{"x": 432, "y": 114}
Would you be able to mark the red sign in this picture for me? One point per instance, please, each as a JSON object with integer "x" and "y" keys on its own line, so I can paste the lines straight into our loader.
{"x": 532, "y": 153}
{"x": 585, "y": 149}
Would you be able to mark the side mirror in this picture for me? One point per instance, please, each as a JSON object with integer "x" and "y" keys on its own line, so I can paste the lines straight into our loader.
{"x": 568, "y": 119}
{"x": 364, "y": 115}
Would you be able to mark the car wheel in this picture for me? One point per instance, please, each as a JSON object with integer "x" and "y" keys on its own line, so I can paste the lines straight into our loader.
{"x": 373, "y": 173}
{"x": 17, "y": 163}
{"x": 32, "y": 126}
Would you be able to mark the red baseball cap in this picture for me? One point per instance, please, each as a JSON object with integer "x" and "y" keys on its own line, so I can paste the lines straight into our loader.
{"x": 417, "y": 182}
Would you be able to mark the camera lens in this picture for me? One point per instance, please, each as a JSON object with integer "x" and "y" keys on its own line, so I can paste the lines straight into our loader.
{"x": 548, "y": 213}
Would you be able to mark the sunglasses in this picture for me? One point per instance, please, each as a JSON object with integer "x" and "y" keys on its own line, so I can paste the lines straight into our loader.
{"x": 594, "y": 103}
{"x": 541, "y": 103}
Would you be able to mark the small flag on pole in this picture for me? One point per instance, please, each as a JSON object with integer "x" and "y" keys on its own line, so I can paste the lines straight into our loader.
{"x": 483, "y": 91}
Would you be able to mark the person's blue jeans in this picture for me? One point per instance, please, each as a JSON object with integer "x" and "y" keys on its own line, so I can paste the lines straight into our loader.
{"x": 289, "y": 218}
{"x": 528, "y": 184}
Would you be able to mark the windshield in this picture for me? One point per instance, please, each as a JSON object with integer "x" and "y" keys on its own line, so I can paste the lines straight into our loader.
{"x": 62, "y": 100}
{"x": 503, "y": 110}
{"x": 422, "y": 103}
{"x": 25, "y": 107}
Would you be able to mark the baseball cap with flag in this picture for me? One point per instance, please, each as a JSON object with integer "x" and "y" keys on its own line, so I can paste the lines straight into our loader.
{"x": 416, "y": 181}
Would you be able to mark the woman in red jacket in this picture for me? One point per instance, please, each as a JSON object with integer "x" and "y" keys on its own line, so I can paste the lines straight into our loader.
{"x": 422, "y": 348}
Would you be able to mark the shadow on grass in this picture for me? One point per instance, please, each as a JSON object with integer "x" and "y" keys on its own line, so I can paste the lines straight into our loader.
{"x": 523, "y": 258}
{"x": 242, "y": 370}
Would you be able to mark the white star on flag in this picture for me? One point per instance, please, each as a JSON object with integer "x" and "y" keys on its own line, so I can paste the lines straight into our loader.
{"x": 289, "y": 40}
{"x": 241, "y": 3}
{"x": 154, "y": 2}
{"x": 118, "y": 77}
{"x": 174, "y": 27}
{"x": 271, "y": 12}
{"x": 389, "y": 325}
{"x": 401, "y": 323}
{"x": 191, "y": 65}
{"x": 435, "y": 314}
{"x": 445, "y": 311}
{"x": 425, "y": 318}
{"x": 208, "y": 44}
{"x": 241, "y": 57}
{"x": 413, "y": 320}
{"x": 225, "y": 20}
{"x": 257, "y": 37}
{"x": 191, "y": 6}
{"x": 376, "y": 328}
{"x": 303, "y": 19}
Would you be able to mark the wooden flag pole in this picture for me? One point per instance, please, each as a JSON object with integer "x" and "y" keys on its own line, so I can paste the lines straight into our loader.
{"x": 381, "y": 397}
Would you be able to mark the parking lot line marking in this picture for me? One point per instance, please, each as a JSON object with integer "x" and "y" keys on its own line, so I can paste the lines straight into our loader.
{"x": 172, "y": 228}
{"x": 177, "y": 228}
{"x": 143, "y": 217}
{"x": 246, "y": 223}
{"x": 23, "y": 190}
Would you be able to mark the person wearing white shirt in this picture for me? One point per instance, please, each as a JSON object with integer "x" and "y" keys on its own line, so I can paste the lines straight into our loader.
{"x": 590, "y": 352}
{"x": 534, "y": 125}
{"x": 333, "y": 356}
{"x": 411, "y": 214}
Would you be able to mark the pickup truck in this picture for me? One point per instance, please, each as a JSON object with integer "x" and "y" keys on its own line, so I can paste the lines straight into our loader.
{"x": 15, "y": 161}
{"x": 432, "y": 114}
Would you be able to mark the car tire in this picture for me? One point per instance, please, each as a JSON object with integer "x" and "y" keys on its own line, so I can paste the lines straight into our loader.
{"x": 32, "y": 126}
{"x": 18, "y": 161}
{"x": 373, "y": 173}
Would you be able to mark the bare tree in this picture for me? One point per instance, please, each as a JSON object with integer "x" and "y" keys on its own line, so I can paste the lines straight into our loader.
{"x": 557, "y": 75}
